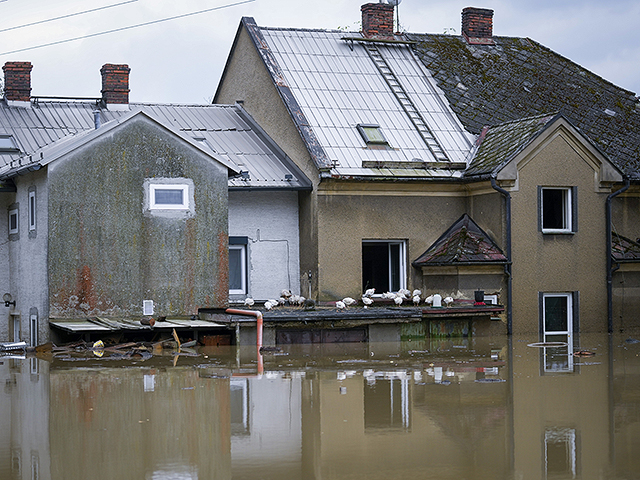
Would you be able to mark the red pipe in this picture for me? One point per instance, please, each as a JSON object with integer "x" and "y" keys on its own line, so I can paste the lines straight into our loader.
{"x": 258, "y": 315}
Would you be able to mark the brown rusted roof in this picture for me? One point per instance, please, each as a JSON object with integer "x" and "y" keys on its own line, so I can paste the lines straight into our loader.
{"x": 624, "y": 250}
{"x": 519, "y": 78}
{"x": 463, "y": 243}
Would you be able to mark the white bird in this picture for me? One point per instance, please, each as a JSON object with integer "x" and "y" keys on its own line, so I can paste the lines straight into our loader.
{"x": 398, "y": 300}
{"x": 248, "y": 302}
{"x": 388, "y": 295}
{"x": 340, "y": 305}
{"x": 416, "y": 300}
{"x": 274, "y": 303}
{"x": 285, "y": 293}
{"x": 367, "y": 301}
{"x": 404, "y": 292}
{"x": 417, "y": 292}
{"x": 448, "y": 301}
{"x": 268, "y": 305}
{"x": 429, "y": 300}
{"x": 369, "y": 292}
{"x": 282, "y": 301}
{"x": 348, "y": 301}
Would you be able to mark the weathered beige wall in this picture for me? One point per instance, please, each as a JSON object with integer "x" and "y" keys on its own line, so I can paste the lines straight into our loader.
{"x": 247, "y": 79}
{"x": 352, "y": 212}
{"x": 558, "y": 263}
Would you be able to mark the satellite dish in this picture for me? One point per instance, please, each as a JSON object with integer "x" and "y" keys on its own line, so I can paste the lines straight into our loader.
{"x": 395, "y": 3}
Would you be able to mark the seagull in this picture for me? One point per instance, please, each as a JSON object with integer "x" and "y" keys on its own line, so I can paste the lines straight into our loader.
{"x": 429, "y": 300}
{"x": 285, "y": 293}
{"x": 268, "y": 305}
{"x": 369, "y": 292}
{"x": 416, "y": 300}
{"x": 348, "y": 301}
{"x": 448, "y": 301}
{"x": 367, "y": 301}
{"x": 398, "y": 300}
{"x": 249, "y": 302}
{"x": 417, "y": 292}
{"x": 340, "y": 305}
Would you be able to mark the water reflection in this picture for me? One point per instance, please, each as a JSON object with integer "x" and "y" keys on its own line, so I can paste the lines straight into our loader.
{"x": 474, "y": 408}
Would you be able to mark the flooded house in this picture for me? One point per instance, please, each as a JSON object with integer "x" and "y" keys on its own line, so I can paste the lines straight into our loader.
{"x": 116, "y": 210}
{"x": 452, "y": 164}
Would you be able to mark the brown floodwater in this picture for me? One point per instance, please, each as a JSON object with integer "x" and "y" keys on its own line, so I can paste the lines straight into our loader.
{"x": 478, "y": 408}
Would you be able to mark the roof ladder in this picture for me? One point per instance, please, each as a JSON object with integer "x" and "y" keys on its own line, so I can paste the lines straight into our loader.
{"x": 408, "y": 106}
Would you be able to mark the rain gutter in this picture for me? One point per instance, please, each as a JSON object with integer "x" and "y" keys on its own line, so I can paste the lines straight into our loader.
{"x": 610, "y": 267}
{"x": 507, "y": 267}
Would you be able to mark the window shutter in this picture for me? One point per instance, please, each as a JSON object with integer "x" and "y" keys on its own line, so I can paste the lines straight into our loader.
{"x": 541, "y": 314}
{"x": 574, "y": 209}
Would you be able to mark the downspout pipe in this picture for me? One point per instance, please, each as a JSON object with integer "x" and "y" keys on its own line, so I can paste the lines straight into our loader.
{"x": 610, "y": 268}
{"x": 259, "y": 322}
{"x": 507, "y": 267}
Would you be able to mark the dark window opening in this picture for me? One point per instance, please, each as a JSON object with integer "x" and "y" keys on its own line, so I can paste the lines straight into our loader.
{"x": 383, "y": 266}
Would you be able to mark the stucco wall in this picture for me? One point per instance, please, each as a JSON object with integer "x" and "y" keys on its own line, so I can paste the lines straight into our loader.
{"x": 558, "y": 263}
{"x": 270, "y": 221}
{"x": 108, "y": 252}
{"x": 351, "y": 213}
{"x": 26, "y": 257}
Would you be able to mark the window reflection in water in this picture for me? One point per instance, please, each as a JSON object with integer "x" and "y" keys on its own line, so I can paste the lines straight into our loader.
{"x": 560, "y": 453}
{"x": 386, "y": 400}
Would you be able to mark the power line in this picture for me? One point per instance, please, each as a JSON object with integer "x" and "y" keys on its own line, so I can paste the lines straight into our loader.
{"x": 65, "y": 16}
{"x": 91, "y": 35}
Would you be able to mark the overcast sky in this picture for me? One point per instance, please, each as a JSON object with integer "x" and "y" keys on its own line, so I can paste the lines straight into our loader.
{"x": 181, "y": 60}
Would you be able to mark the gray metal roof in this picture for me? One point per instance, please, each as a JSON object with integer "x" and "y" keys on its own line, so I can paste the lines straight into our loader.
{"x": 338, "y": 85}
{"x": 226, "y": 132}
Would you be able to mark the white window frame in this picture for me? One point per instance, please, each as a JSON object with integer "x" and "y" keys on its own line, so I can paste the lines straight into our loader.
{"x": 243, "y": 265}
{"x": 153, "y": 187}
{"x": 567, "y": 210}
{"x": 402, "y": 267}
{"x": 32, "y": 210}
{"x": 33, "y": 330}
{"x": 552, "y": 336}
{"x": 14, "y": 212}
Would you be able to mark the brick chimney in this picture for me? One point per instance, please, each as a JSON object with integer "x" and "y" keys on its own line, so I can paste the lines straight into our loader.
{"x": 17, "y": 82}
{"x": 477, "y": 25}
{"x": 377, "y": 20}
{"x": 115, "y": 86}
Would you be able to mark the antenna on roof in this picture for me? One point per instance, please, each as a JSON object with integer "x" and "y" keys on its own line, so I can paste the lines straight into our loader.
{"x": 395, "y": 3}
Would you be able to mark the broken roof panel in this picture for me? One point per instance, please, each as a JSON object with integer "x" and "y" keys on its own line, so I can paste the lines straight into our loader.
{"x": 464, "y": 243}
{"x": 624, "y": 249}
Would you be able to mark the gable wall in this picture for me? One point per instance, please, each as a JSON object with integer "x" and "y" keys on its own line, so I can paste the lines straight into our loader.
{"x": 558, "y": 263}
{"x": 108, "y": 253}
{"x": 247, "y": 79}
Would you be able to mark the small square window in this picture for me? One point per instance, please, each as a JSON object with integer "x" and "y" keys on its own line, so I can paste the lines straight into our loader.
{"x": 169, "y": 196}
{"x": 383, "y": 265}
{"x": 13, "y": 221}
{"x": 372, "y": 134}
{"x": 557, "y": 210}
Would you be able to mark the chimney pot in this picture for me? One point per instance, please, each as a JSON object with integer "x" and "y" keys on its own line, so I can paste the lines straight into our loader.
{"x": 17, "y": 81}
{"x": 115, "y": 86}
{"x": 377, "y": 20}
{"x": 477, "y": 25}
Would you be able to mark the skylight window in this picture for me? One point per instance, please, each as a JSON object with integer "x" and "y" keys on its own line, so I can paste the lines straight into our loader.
{"x": 372, "y": 134}
{"x": 8, "y": 144}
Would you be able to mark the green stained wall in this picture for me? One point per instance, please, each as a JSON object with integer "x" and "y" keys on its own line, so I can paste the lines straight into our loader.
{"x": 108, "y": 252}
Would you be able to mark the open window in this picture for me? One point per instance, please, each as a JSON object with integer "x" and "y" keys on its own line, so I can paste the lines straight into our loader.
{"x": 557, "y": 210}
{"x": 383, "y": 265}
{"x": 238, "y": 265}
